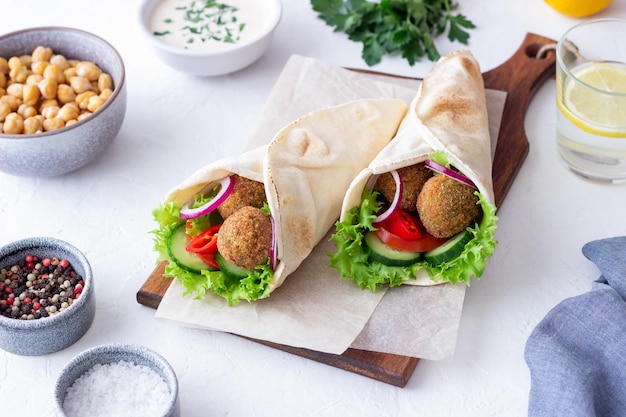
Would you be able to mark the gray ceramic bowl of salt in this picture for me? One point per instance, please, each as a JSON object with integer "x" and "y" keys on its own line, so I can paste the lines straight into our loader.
{"x": 57, "y": 152}
{"x": 45, "y": 335}
{"x": 122, "y": 379}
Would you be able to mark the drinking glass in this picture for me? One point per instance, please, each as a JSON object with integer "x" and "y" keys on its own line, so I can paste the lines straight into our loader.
{"x": 591, "y": 99}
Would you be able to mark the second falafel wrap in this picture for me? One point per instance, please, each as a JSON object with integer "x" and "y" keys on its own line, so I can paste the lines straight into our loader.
{"x": 240, "y": 225}
{"x": 423, "y": 211}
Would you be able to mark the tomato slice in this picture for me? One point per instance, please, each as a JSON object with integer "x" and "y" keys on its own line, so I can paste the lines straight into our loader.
{"x": 205, "y": 242}
{"x": 209, "y": 259}
{"x": 426, "y": 243}
{"x": 402, "y": 224}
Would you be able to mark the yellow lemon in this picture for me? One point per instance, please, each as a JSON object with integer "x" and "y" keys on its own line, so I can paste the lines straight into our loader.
{"x": 578, "y": 8}
{"x": 598, "y": 112}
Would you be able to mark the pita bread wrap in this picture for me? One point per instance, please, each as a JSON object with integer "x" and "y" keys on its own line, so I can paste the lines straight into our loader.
{"x": 305, "y": 170}
{"x": 447, "y": 120}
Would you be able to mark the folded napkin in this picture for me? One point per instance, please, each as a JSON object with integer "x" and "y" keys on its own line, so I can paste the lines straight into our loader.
{"x": 577, "y": 353}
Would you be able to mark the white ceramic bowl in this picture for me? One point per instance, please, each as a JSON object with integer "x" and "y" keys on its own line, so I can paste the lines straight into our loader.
{"x": 218, "y": 61}
{"x": 108, "y": 354}
{"x": 67, "y": 149}
{"x": 56, "y": 332}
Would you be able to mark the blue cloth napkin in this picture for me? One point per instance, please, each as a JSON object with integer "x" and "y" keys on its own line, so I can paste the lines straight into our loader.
{"x": 577, "y": 353}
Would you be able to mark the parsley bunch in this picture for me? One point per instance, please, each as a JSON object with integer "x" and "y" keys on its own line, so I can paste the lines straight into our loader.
{"x": 392, "y": 26}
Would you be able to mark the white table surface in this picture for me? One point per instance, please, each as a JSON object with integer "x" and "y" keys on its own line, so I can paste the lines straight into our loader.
{"x": 176, "y": 123}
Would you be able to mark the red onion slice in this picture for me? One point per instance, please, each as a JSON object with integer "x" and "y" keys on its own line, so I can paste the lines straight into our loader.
{"x": 273, "y": 260}
{"x": 396, "y": 198}
{"x": 449, "y": 172}
{"x": 227, "y": 185}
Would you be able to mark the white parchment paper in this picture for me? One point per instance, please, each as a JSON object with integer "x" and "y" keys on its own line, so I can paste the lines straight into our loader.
{"x": 314, "y": 309}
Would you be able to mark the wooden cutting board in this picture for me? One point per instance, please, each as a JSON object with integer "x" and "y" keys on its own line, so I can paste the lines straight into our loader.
{"x": 520, "y": 77}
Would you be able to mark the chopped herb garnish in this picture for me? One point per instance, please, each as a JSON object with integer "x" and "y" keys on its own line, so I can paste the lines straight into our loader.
{"x": 207, "y": 20}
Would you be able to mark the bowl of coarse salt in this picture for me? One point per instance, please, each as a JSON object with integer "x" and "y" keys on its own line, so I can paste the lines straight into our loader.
{"x": 119, "y": 380}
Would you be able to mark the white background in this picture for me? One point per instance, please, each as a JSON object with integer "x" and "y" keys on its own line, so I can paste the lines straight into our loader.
{"x": 176, "y": 123}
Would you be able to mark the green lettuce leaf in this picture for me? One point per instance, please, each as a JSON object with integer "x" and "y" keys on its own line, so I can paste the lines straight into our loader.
{"x": 255, "y": 286}
{"x": 352, "y": 261}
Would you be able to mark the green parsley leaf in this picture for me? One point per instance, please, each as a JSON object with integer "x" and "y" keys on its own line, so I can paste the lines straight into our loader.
{"x": 406, "y": 27}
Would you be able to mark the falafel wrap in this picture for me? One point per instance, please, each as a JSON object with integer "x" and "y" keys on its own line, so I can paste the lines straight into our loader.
{"x": 423, "y": 211}
{"x": 240, "y": 225}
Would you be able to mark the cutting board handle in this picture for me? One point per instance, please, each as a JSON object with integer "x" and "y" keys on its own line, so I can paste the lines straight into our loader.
{"x": 520, "y": 76}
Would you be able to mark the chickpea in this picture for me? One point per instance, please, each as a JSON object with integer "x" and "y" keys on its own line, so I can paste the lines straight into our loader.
{"x": 95, "y": 103}
{"x": 15, "y": 62}
{"x": 5, "y": 109}
{"x": 106, "y": 93}
{"x": 34, "y": 79}
{"x": 4, "y": 66}
{"x": 27, "y": 111}
{"x": 69, "y": 73}
{"x": 33, "y": 125}
{"x": 50, "y": 112}
{"x": 48, "y": 88}
{"x": 47, "y": 103}
{"x": 105, "y": 82}
{"x": 82, "y": 99}
{"x": 12, "y": 101}
{"x": 88, "y": 70}
{"x": 19, "y": 74}
{"x": 53, "y": 124}
{"x": 39, "y": 67}
{"x": 68, "y": 112}
{"x": 30, "y": 94}
{"x": 65, "y": 94}
{"x": 53, "y": 72}
{"x": 84, "y": 115}
{"x": 13, "y": 124}
{"x": 61, "y": 62}
{"x": 27, "y": 60}
{"x": 16, "y": 90}
{"x": 42, "y": 53}
{"x": 80, "y": 84}
{"x": 3, "y": 80}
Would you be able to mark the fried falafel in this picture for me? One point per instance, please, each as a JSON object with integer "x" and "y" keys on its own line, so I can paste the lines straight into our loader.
{"x": 446, "y": 206}
{"x": 413, "y": 178}
{"x": 245, "y": 237}
{"x": 246, "y": 192}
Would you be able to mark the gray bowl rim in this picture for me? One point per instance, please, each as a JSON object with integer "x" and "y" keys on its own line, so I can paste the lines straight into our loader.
{"x": 146, "y": 7}
{"x": 35, "y": 324}
{"x": 116, "y": 92}
{"x": 134, "y": 349}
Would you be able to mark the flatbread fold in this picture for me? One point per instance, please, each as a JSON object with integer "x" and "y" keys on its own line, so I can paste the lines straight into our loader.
{"x": 306, "y": 170}
{"x": 448, "y": 113}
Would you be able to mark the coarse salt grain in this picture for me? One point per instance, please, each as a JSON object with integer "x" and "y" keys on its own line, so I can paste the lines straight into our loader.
{"x": 117, "y": 389}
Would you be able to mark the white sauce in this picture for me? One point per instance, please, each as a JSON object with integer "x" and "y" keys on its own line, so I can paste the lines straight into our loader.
{"x": 240, "y": 21}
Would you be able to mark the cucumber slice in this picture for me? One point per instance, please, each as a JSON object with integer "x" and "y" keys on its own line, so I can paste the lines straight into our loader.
{"x": 177, "y": 251}
{"x": 230, "y": 269}
{"x": 449, "y": 250}
{"x": 379, "y": 252}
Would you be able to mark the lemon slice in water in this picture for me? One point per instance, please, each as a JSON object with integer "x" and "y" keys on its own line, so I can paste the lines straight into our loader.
{"x": 601, "y": 113}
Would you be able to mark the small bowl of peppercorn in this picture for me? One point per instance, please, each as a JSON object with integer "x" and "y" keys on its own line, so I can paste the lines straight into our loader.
{"x": 62, "y": 100}
{"x": 47, "y": 299}
{"x": 209, "y": 38}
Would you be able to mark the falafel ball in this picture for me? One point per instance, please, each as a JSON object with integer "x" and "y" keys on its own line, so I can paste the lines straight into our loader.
{"x": 246, "y": 192}
{"x": 245, "y": 237}
{"x": 413, "y": 178}
{"x": 446, "y": 206}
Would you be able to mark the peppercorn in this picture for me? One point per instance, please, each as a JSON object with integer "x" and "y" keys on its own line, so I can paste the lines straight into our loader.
{"x": 36, "y": 288}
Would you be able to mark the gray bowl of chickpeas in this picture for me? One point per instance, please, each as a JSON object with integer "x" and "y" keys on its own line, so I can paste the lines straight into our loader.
{"x": 62, "y": 100}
